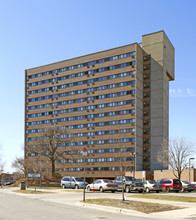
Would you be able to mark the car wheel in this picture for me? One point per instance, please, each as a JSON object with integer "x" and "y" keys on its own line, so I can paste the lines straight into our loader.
{"x": 157, "y": 191}
{"x": 76, "y": 187}
{"x": 88, "y": 188}
{"x": 189, "y": 190}
{"x": 140, "y": 191}
{"x": 177, "y": 191}
{"x": 167, "y": 189}
{"x": 63, "y": 186}
{"x": 101, "y": 189}
{"x": 127, "y": 189}
{"x": 113, "y": 191}
{"x": 147, "y": 190}
{"x": 182, "y": 190}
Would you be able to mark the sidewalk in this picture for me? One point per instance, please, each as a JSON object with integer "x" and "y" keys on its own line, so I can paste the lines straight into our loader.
{"x": 69, "y": 197}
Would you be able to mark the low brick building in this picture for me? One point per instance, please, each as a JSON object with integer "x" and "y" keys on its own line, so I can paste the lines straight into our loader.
{"x": 5, "y": 178}
{"x": 162, "y": 174}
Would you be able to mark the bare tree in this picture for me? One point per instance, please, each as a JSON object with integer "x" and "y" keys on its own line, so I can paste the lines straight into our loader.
{"x": 163, "y": 153}
{"x": 122, "y": 169}
{"x": 2, "y": 165}
{"x": 124, "y": 166}
{"x": 176, "y": 156}
{"x": 48, "y": 146}
{"x": 19, "y": 165}
{"x": 2, "y": 161}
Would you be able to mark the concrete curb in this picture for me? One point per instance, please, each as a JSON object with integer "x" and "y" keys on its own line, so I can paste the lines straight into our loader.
{"x": 156, "y": 215}
{"x": 183, "y": 213}
{"x": 112, "y": 209}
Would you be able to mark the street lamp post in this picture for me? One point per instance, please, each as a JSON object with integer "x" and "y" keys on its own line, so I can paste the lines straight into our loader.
{"x": 84, "y": 152}
{"x": 84, "y": 178}
{"x": 190, "y": 166}
{"x": 134, "y": 168}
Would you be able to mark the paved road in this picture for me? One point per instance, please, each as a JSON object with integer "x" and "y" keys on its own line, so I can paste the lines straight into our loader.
{"x": 15, "y": 207}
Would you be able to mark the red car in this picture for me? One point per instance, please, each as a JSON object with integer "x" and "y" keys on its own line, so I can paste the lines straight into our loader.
{"x": 170, "y": 184}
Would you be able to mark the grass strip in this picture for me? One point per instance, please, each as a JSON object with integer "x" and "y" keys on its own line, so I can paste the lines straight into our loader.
{"x": 166, "y": 197}
{"x": 51, "y": 188}
{"x": 133, "y": 205}
{"x": 72, "y": 190}
{"x": 30, "y": 191}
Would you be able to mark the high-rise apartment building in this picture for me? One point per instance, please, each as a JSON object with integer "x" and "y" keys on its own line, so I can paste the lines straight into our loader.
{"x": 117, "y": 98}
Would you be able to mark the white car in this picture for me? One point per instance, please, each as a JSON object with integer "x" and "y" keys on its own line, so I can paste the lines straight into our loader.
{"x": 151, "y": 185}
{"x": 102, "y": 185}
{"x": 187, "y": 186}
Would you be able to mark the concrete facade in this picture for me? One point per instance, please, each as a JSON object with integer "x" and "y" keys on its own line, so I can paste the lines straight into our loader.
{"x": 162, "y": 71}
{"x": 124, "y": 95}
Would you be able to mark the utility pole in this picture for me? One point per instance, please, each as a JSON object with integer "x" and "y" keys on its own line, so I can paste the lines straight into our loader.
{"x": 134, "y": 162}
{"x": 190, "y": 167}
{"x": 84, "y": 152}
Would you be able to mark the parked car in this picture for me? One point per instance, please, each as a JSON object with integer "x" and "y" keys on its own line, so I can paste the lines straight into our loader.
{"x": 152, "y": 185}
{"x": 170, "y": 185}
{"x": 187, "y": 186}
{"x": 194, "y": 183}
{"x": 72, "y": 182}
{"x": 102, "y": 185}
{"x": 6, "y": 182}
{"x": 130, "y": 184}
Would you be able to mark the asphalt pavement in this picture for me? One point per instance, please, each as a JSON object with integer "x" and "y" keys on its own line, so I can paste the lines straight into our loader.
{"x": 71, "y": 200}
{"x": 17, "y": 207}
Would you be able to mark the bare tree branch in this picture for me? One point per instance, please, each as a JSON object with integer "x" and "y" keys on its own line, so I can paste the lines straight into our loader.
{"x": 176, "y": 156}
{"x": 19, "y": 165}
{"x": 52, "y": 145}
{"x": 2, "y": 160}
{"x": 122, "y": 164}
{"x": 2, "y": 166}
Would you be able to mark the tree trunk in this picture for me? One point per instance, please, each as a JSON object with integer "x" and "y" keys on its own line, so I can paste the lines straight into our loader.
{"x": 179, "y": 175}
{"x": 123, "y": 195}
{"x": 174, "y": 173}
{"x": 53, "y": 166}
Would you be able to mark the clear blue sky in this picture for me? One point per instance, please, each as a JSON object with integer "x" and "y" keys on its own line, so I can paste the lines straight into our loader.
{"x": 34, "y": 33}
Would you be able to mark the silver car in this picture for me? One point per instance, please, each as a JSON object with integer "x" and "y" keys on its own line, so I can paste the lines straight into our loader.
{"x": 102, "y": 185}
{"x": 151, "y": 185}
{"x": 72, "y": 182}
{"x": 187, "y": 186}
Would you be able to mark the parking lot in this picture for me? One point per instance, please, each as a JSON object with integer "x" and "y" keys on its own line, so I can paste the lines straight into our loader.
{"x": 74, "y": 197}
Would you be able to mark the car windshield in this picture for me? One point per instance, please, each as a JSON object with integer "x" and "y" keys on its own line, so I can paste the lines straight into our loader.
{"x": 78, "y": 179}
{"x": 186, "y": 182}
{"x": 106, "y": 181}
{"x": 152, "y": 182}
{"x": 129, "y": 178}
{"x": 177, "y": 182}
